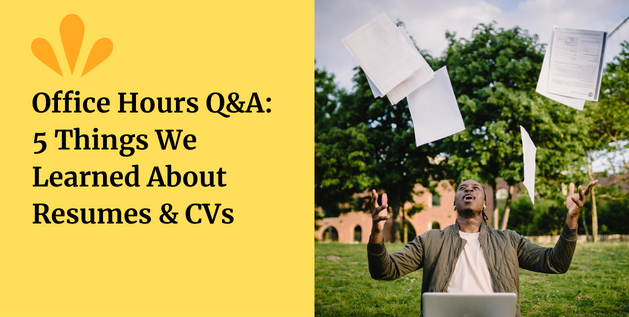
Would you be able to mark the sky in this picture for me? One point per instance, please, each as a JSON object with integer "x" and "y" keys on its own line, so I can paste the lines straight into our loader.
{"x": 427, "y": 22}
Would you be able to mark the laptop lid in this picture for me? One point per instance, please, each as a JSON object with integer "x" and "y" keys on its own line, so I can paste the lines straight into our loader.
{"x": 468, "y": 305}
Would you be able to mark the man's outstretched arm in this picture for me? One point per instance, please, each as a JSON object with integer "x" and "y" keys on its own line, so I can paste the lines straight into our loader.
{"x": 557, "y": 259}
{"x": 379, "y": 216}
{"x": 383, "y": 265}
{"x": 575, "y": 202}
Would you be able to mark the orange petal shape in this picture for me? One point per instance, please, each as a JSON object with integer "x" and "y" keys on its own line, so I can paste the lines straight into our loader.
{"x": 44, "y": 52}
{"x": 100, "y": 51}
{"x": 72, "y": 30}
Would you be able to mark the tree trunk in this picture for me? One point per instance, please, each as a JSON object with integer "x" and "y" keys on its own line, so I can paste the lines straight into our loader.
{"x": 585, "y": 226}
{"x": 594, "y": 218}
{"x": 594, "y": 215}
{"x": 395, "y": 210}
{"x": 495, "y": 216}
{"x": 405, "y": 234}
{"x": 505, "y": 217}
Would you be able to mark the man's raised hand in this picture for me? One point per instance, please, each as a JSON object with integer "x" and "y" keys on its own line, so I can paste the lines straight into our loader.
{"x": 378, "y": 215}
{"x": 574, "y": 202}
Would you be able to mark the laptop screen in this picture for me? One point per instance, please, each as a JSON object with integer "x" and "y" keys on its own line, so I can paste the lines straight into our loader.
{"x": 468, "y": 305}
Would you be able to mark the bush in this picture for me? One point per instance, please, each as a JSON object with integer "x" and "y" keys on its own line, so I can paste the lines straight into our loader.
{"x": 546, "y": 217}
{"x": 613, "y": 215}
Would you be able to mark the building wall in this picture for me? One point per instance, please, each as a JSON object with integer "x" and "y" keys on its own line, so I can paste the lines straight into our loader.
{"x": 422, "y": 221}
{"x": 345, "y": 226}
{"x": 443, "y": 214}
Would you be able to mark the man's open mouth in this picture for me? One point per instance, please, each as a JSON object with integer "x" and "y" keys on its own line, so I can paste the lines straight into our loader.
{"x": 468, "y": 198}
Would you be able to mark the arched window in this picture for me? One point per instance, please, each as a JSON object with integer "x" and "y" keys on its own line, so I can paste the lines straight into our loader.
{"x": 435, "y": 225}
{"x": 501, "y": 201}
{"x": 330, "y": 234}
{"x": 436, "y": 200}
{"x": 502, "y": 193}
{"x": 358, "y": 234}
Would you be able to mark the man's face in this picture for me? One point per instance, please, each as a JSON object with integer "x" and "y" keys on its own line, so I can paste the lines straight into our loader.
{"x": 470, "y": 197}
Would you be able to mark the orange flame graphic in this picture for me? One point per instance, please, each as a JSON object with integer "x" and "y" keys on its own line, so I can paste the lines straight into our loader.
{"x": 72, "y": 30}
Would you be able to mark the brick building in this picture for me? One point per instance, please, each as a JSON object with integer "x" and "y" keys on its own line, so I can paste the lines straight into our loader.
{"x": 437, "y": 212}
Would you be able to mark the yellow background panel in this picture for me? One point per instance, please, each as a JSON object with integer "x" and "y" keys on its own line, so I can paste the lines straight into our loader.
{"x": 262, "y": 263}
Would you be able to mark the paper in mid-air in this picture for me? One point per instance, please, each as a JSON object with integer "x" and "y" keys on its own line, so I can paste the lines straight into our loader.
{"x": 434, "y": 109}
{"x": 418, "y": 78}
{"x": 414, "y": 81}
{"x": 542, "y": 84}
{"x": 528, "y": 151}
{"x": 576, "y": 63}
{"x": 382, "y": 53}
{"x": 573, "y": 66}
{"x": 374, "y": 90}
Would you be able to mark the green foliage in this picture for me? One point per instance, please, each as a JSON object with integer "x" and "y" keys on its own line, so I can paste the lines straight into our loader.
{"x": 609, "y": 130}
{"x": 614, "y": 216}
{"x": 494, "y": 75}
{"x": 548, "y": 215}
{"x": 545, "y": 218}
{"x": 416, "y": 208}
{"x": 318, "y": 216}
{"x": 363, "y": 142}
{"x": 395, "y": 163}
{"x": 341, "y": 151}
{"x": 613, "y": 209}
{"x": 597, "y": 284}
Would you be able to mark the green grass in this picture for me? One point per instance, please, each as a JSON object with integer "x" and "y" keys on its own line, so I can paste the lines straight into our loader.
{"x": 597, "y": 284}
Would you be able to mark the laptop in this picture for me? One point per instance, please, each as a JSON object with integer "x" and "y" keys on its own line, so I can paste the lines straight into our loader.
{"x": 468, "y": 305}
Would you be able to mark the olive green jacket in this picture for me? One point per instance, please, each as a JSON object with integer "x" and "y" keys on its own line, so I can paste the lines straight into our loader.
{"x": 436, "y": 251}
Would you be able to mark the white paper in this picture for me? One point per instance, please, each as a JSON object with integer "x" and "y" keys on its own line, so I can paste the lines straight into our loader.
{"x": 528, "y": 151}
{"x": 382, "y": 53}
{"x": 434, "y": 109}
{"x": 418, "y": 78}
{"x": 576, "y": 63}
{"x": 374, "y": 90}
{"x": 542, "y": 84}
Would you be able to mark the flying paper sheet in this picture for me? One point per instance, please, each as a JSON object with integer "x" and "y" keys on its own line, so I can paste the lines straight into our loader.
{"x": 434, "y": 109}
{"x": 576, "y": 63}
{"x": 418, "y": 78}
{"x": 528, "y": 151}
{"x": 382, "y": 53}
{"x": 374, "y": 90}
{"x": 542, "y": 87}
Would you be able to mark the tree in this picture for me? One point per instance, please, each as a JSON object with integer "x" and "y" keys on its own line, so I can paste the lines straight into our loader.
{"x": 610, "y": 122}
{"x": 613, "y": 209}
{"x": 341, "y": 151}
{"x": 396, "y": 163}
{"x": 494, "y": 75}
{"x": 364, "y": 142}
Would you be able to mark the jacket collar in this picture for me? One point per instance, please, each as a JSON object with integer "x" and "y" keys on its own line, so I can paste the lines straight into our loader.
{"x": 484, "y": 229}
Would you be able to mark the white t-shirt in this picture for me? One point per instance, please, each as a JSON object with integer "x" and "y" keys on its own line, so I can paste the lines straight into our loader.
{"x": 471, "y": 274}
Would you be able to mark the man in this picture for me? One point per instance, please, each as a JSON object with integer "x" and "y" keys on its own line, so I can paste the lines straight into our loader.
{"x": 470, "y": 256}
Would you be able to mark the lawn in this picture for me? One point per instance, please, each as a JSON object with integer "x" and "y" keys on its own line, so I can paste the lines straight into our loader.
{"x": 597, "y": 284}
